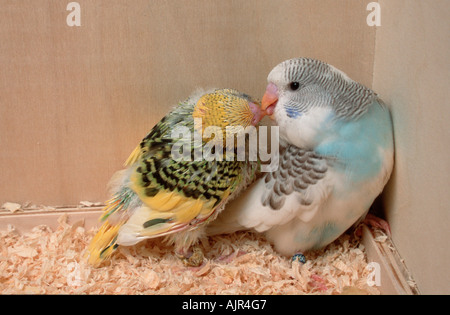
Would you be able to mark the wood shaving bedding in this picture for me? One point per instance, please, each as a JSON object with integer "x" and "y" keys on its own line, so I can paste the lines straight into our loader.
{"x": 53, "y": 262}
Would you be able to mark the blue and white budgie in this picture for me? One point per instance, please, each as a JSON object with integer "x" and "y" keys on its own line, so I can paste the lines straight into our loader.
{"x": 336, "y": 156}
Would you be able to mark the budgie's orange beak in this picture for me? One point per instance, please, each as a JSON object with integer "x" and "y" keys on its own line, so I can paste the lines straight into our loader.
{"x": 269, "y": 100}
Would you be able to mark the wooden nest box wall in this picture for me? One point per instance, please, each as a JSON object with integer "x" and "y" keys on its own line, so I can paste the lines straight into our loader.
{"x": 81, "y": 83}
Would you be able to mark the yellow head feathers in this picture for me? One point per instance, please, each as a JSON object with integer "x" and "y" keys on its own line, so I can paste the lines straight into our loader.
{"x": 225, "y": 108}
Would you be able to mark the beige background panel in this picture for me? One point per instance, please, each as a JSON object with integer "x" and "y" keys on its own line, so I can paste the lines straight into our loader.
{"x": 412, "y": 74}
{"x": 74, "y": 101}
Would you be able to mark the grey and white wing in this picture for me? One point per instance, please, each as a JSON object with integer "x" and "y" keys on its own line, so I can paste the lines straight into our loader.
{"x": 297, "y": 189}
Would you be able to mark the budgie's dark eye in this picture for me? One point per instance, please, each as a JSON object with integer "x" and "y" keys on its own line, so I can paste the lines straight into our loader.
{"x": 294, "y": 86}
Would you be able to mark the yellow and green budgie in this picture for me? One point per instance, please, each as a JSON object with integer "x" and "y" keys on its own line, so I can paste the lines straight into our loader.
{"x": 159, "y": 195}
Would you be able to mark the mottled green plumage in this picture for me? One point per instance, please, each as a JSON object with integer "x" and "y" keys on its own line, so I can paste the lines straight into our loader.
{"x": 157, "y": 195}
{"x": 193, "y": 179}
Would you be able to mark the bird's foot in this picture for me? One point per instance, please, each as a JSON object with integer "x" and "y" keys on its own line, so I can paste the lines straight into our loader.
{"x": 192, "y": 258}
{"x": 376, "y": 222}
{"x": 299, "y": 257}
{"x": 229, "y": 258}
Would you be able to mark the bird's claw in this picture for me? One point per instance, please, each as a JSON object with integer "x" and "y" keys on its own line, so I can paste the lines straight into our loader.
{"x": 376, "y": 222}
{"x": 192, "y": 259}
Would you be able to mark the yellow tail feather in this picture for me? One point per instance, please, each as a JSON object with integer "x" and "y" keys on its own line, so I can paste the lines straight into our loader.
{"x": 134, "y": 156}
{"x": 104, "y": 243}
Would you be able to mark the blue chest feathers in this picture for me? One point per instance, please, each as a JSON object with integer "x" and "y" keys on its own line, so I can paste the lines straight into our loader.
{"x": 358, "y": 145}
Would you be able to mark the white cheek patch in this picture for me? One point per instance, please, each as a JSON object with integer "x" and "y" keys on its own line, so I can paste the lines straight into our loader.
{"x": 305, "y": 130}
